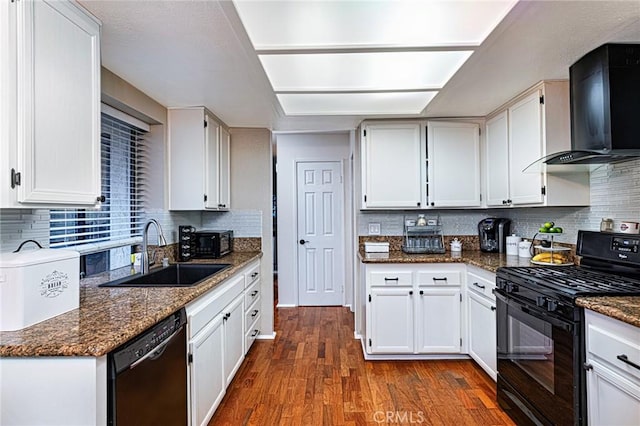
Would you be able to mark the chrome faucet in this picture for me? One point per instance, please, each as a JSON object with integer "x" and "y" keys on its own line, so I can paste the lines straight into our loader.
{"x": 145, "y": 237}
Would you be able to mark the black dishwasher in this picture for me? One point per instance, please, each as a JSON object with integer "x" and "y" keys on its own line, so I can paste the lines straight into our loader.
{"x": 148, "y": 376}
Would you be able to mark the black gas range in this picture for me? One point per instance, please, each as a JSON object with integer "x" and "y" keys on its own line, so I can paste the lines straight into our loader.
{"x": 540, "y": 333}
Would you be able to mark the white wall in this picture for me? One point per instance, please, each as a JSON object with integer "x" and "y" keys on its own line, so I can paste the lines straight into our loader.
{"x": 305, "y": 147}
{"x": 251, "y": 183}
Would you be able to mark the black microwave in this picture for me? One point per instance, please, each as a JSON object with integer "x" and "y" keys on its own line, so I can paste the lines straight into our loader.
{"x": 204, "y": 244}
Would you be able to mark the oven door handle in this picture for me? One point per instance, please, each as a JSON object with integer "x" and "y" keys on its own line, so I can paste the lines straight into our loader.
{"x": 535, "y": 312}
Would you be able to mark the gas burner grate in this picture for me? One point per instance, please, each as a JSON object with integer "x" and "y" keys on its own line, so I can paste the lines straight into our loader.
{"x": 575, "y": 281}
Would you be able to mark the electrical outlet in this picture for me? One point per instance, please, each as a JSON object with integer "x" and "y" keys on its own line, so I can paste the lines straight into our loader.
{"x": 374, "y": 229}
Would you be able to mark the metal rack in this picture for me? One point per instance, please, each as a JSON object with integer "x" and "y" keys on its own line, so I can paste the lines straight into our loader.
{"x": 419, "y": 238}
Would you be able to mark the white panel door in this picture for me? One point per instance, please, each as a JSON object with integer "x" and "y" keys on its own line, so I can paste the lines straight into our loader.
{"x": 525, "y": 138}
{"x": 482, "y": 333}
{"x": 612, "y": 398}
{"x": 233, "y": 318}
{"x": 391, "y": 166}
{"x": 320, "y": 233}
{"x": 224, "y": 194}
{"x": 454, "y": 164}
{"x": 497, "y": 160}
{"x": 58, "y": 103}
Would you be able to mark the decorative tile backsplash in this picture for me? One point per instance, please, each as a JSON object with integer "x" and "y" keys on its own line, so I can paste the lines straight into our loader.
{"x": 615, "y": 194}
{"x": 25, "y": 224}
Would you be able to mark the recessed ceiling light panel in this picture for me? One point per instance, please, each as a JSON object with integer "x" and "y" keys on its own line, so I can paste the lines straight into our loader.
{"x": 401, "y": 103}
{"x": 362, "y": 71}
{"x": 380, "y": 23}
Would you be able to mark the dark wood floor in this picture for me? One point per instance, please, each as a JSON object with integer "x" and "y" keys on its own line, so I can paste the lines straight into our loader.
{"x": 314, "y": 374}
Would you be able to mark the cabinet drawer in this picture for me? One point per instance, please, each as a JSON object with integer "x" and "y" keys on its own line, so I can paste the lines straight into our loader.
{"x": 252, "y": 294}
{"x": 252, "y": 313}
{"x": 439, "y": 278}
{"x": 251, "y": 336}
{"x": 252, "y": 274}
{"x": 203, "y": 309}
{"x": 480, "y": 285}
{"x": 390, "y": 278}
{"x": 615, "y": 343}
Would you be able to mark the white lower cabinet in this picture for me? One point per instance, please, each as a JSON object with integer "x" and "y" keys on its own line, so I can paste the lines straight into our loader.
{"x": 481, "y": 316}
{"x": 391, "y": 320}
{"x": 613, "y": 371}
{"x": 206, "y": 372}
{"x": 439, "y": 320}
{"x": 413, "y": 309}
{"x": 217, "y": 341}
{"x": 233, "y": 326}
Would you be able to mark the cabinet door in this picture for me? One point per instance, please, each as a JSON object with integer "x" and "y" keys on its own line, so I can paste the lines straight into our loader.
{"x": 453, "y": 150}
{"x": 212, "y": 159}
{"x": 525, "y": 138}
{"x": 58, "y": 112}
{"x": 206, "y": 372}
{"x": 391, "y": 166}
{"x": 224, "y": 192}
{"x": 187, "y": 142}
{"x": 390, "y": 320}
{"x": 497, "y": 160}
{"x": 439, "y": 320}
{"x": 233, "y": 337}
{"x": 612, "y": 399}
{"x": 482, "y": 333}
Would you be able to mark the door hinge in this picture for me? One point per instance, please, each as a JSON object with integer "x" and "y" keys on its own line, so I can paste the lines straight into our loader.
{"x": 205, "y": 123}
{"x": 205, "y": 197}
{"x": 369, "y": 298}
{"x": 461, "y": 342}
{"x": 543, "y": 190}
{"x": 365, "y": 198}
{"x": 479, "y": 131}
{"x": 480, "y": 197}
{"x": 15, "y": 178}
{"x": 542, "y": 99}
{"x": 369, "y": 342}
{"x": 460, "y": 297}
{"x": 190, "y": 359}
{"x": 364, "y": 133}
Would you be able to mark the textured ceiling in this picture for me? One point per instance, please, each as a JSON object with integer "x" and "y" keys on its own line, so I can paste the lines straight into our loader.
{"x": 187, "y": 53}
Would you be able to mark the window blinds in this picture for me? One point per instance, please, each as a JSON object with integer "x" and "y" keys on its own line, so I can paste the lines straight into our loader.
{"x": 120, "y": 218}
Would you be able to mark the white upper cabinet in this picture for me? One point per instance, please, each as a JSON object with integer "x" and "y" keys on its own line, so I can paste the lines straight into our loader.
{"x": 497, "y": 150}
{"x": 199, "y": 161}
{"x": 50, "y": 86}
{"x": 391, "y": 165}
{"x": 527, "y": 128}
{"x": 525, "y": 135}
{"x": 453, "y": 164}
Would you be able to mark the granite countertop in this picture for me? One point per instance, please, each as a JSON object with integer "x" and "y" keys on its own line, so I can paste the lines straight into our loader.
{"x": 488, "y": 261}
{"x": 108, "y": 317}
{"x": 626, "y": 309}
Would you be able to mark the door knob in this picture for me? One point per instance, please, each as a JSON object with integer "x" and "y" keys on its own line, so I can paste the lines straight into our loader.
{"x": 303, "y": 242}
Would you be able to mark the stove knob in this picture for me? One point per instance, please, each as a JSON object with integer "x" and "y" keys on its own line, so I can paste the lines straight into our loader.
{"x": 139, "y": 353}
{"x": 552, "y": 305}
{"x": 541, "y": 301}
{"x": 511, "y": 288}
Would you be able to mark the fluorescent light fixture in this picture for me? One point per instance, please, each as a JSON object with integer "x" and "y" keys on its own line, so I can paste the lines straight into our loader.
{"x": 362, "y": 71}
{"x": 404, "y": 103}
{"x": 365, "y": 57}
{"x": 382, "y": 23}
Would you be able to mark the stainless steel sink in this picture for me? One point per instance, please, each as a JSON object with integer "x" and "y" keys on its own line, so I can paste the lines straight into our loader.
{"x": 178, "y": 275}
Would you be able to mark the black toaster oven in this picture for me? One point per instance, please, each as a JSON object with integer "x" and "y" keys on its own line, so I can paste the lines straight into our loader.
{"x": 204, "y": 244}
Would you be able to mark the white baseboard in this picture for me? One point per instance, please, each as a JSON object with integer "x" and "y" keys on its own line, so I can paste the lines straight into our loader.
{"x": 407, "y": 357}
{"x": 286, "y": 305}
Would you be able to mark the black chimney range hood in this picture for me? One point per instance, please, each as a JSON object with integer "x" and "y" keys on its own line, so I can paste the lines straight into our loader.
{"x": 605, "y": 107}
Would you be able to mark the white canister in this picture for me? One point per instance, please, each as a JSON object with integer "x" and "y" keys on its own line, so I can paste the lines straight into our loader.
{"x": 524, "y": 248}
{"x": 512, "y": 245}
{"x": 456, "y": 246}
{"x": 629, "y": 227}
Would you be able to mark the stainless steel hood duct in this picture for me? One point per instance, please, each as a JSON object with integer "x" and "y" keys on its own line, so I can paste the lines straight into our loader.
{"x": 605, "y": 108}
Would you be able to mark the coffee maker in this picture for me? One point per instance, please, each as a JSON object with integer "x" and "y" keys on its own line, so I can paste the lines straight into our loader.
{"x": 493, "y": 232}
